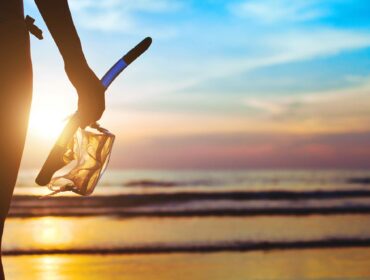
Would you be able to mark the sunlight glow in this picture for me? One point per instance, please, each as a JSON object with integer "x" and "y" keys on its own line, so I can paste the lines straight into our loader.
{"x": 48, "y": 116}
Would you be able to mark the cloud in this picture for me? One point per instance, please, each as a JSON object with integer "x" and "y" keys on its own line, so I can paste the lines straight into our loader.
{"x": 309, "y": 43}
{"x": 198, "y": 56}
{"x": 280, "y": 105}
{"x": 336, "y": 110}
{"x": 247, "y": 150}
{"x": 292, "y": 46}
{"x": 272, "y": 11}
{"x": 139, "y": 5}
{"x": 265, "y": 105}
{"x": 279, "y": 48}
{"x": 117, "y": 15}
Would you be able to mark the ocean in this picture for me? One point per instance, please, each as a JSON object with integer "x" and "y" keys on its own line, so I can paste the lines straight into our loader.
{"x": 153, "y": 214}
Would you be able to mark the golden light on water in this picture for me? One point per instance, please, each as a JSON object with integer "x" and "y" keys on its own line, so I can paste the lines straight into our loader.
{"x": 52, "y": 233}
{"x": 55, "y": 233}
{"x": 289, "y": 265}
{"x": 49, "y": 267}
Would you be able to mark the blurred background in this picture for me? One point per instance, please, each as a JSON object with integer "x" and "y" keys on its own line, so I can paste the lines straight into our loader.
{"x": 243, "y": 131}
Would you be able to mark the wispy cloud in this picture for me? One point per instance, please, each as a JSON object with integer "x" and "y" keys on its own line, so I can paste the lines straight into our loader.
{"x": 180, "y": 103}
{"x": 313, "y": 42}
{"x": 282, "y": 104}
{"x": 291, "y": 46}
{"x": 118, "y": 15}
{"x": 335, "y": 110}
{"x": 251, "y": 150}
{"x": 279, "y": 48}
{"x": 272, "y": 11}
{"x": 268, "y": 47}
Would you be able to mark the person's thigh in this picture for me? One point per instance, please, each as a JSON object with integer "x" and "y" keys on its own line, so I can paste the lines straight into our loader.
{"x": 15, "y": 102}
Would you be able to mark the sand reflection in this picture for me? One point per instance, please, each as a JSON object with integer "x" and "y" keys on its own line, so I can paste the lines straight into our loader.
{"x": 274, "y": 265}
{"x": 49, "y": 267}
{"x": 52, "y": 231}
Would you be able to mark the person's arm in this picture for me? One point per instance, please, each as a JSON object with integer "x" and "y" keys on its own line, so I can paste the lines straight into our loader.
{"x": 57, "y": 16}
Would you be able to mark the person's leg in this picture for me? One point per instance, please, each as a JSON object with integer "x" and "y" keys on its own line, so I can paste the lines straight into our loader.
{"x": 1, "y": 263}
{"x": 15, "y": 102}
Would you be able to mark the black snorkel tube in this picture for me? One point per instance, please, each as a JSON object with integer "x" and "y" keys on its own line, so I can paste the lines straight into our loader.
{"x": 55, "y": 159}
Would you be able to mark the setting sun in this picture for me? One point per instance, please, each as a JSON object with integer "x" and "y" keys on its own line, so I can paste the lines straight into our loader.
{"x": 48, "y": 116}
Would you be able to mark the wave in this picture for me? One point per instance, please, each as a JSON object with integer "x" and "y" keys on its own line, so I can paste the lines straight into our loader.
{"x": 183, "y": 204}
{"x": 123, "y": 213}
{"x": 361, "y": 180}
{"x": 138, "y": 198}
{"x": 163, "y": 183}
{"x": 151, "y": 183}
{"x": 240, "y": 246}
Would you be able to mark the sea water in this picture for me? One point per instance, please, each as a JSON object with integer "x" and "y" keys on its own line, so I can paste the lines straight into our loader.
{"x": 193, "y": 211}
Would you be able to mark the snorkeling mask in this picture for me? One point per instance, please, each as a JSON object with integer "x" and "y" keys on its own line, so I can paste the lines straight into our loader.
{"x": 88, "y": 149}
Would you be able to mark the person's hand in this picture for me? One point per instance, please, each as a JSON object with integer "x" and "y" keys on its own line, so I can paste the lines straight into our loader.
{"x": 91, "y": 94}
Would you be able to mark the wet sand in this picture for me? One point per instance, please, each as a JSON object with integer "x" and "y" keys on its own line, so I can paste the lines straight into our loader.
{"x": 195, "y": 225}
{"x": 289, "y": 264}
{"x": 106, "y": 234}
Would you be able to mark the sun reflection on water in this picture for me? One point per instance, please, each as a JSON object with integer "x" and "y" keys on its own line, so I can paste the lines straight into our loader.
{"x": 52, "y": 233}
{"x": 49, "y": 267}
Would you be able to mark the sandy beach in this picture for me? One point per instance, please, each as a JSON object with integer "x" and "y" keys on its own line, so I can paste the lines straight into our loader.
{"x": 289, "y": 264}
{"x": 194, "y": 225}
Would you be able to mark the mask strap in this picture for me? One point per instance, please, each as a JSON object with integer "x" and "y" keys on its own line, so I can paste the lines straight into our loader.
{"x": 65, "y": 188}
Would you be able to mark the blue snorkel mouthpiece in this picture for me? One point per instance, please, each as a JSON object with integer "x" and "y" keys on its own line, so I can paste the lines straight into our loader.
{"x": 125, "y": 61}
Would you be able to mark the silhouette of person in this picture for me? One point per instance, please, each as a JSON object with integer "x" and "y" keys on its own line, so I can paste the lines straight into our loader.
{"x": 16, "y": 83}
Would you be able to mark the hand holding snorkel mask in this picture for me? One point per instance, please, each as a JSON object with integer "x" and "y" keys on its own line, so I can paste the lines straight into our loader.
{"x": 89, "y": 148}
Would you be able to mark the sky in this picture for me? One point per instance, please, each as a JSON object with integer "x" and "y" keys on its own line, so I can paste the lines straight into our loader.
{"x": 226, "y": 84}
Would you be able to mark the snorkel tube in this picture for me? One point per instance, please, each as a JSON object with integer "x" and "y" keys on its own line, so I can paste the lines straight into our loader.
{"x": 57, "y": 158}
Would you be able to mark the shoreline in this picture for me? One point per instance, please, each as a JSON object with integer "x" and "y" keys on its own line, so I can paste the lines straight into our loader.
{"x": 247, "y": 212}
{"x": 206, "y": 248}
{"x": 315, "y": 264}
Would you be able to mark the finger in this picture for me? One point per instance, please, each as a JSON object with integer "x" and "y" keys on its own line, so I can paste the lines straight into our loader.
{"x": 99, "y": 113}
{"x": 88, "y": 118}
{"x": 83, "y": 126}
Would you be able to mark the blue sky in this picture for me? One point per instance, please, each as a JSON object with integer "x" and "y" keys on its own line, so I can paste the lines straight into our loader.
{"x": 219, "y": 69}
